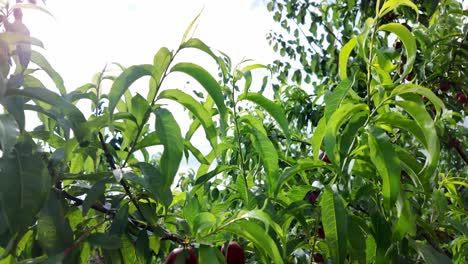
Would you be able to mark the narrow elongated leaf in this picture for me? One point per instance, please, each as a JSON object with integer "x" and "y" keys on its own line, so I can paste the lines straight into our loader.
{"x": 400, "y": 121}
{"x": 25, "y": 185}
{"x": 426, "y": 124}
{"x": 124, "y": 81}
{"x": 8, "y": 132}
{"x": 269, "y": 157}
{"x": 120, "y": 221}
{"x": 336, "y": 121}
{"x": 195, "y": 152}
{"x": 161, "y": 62}
{"x": 154, "y": 182}
{"x": 200, "y": 45}
{"x": 429, "y": 254}
{"x": 272, "y": 108}
{"x": 255, "y": 233}
{"x": 197, "y": 110}
{"x": 408, "y": 41}
{"x": 53, "y": 229}
{"x": 417, "y": 89}
{"x": 59, "y": 104}
{"x": 210, "y": 85}
{"x": 105, "y": 241}
{"x": 317, "y": 138}
{"x": 302, "y": 165}
{"x": 335, "y": 224}
{"x": 42, "y": 62}
{"x": 140, "y": 109}
{"x": 344, "y": 56}
{"x": 151, "y": 139}
{"x": 169, "y": 134}
{"x": 391, "y": 5}
{"x": 221, "y": 168}
{"x": 93, "y": 194}
{"x": 387, "y": 163}
{"x": 334, "y": 99}
{"x": 254, "y": 122}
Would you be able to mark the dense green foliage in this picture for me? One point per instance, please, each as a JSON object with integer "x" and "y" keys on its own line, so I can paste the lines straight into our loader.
{"x": 359, "y": 156}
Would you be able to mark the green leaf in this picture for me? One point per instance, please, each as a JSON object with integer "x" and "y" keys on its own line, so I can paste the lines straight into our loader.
{"x": 59, "y": 104}
{"x": 275, "y": 110}
{"x": 150, "y": 139}
{"x": 105, "y": 241}
{"x": 171, "y": 138}
{"x": 391, "y": 5}
{"x": 206, "y": 177}
{"x": 400, "y": 121}
{"x": 198, "y": 44}
{"x": 254, "y": 122}
{"x": 210, "y": 85}
{"x": 335, "y": 224}
{"x": 257, "y": 235}
{"x": 124, "y": 81}
{"x": 197, "y": 110}
{"x": 417, "y": 89}
{"x": 406, "y": 223}
{"x": 429, "y": 254}
{"x": 189, "y": 28}
{"x": 408, "y": 41}
{"x": 42, "y": 62}
{"x": 267, "y": 152}
{"x": 317, "y": 137}
{"x": 93, "y": 194}
{"x": 155, "y": 182}
{"x": 161, "y": 62}
{"x": 53, "y": 229}
{"x": 140, "y": 109}
{"x": 196, "y": 153}
{"x": 25, "y": 185}
{"x": 120, "y": 221}
{"x": 344, "y": 56}
{"x": 302, "y": 165}
{"x": 8, "y": 132}
{"x": 333, "y": 100}
{"x": 426, "y": 124}
{"x": 203, "y": 221}
{"x": 210, "y": 255}
{"x": 387, "y": 163}
{"x": 338, "y": 118}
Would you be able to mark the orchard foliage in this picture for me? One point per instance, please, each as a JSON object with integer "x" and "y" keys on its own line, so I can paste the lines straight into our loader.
{"x": 367, "y": 165}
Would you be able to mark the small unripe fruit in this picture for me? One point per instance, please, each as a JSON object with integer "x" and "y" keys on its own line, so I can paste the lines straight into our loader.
{"x": 462, "y": 98}
{"x": 323, "y": 157}
{"x": 234, "y": 253}
{"x": 444, "y": 85}
{"x": 190, "y": 258}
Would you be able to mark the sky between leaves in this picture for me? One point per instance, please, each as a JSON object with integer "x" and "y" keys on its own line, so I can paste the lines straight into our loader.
{"x": 86, "y": 35}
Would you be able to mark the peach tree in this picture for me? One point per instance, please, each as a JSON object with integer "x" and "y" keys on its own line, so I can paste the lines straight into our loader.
{"x": 353, "y": 173}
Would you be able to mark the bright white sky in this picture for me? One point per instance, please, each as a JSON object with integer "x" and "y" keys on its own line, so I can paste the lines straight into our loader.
{"x": 87, "y": 34}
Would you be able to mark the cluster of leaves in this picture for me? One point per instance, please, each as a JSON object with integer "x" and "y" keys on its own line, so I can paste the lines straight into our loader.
{"x": 362, "y": 184}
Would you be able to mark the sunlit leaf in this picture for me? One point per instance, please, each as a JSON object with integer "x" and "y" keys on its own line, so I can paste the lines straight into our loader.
{"x": 196, "y": 109}
{"x": 272, "y": 108}
{"x": 335, "y": 224}
{"x": 344, "y": 56}
{"x": 408, "y": 41}
{"x": 210, "y": 85}
{"x": 387, "y": 163}
{"x": 169, "y": 134}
